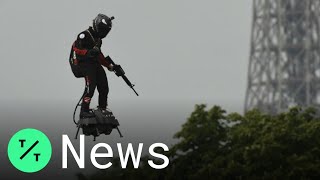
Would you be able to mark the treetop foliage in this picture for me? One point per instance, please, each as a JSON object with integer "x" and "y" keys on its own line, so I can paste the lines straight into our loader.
{"x": 216, "y": 145}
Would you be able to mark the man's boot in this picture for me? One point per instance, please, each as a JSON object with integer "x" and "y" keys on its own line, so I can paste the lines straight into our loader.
{"x": 105, "y": 111}
{"x": 86, "y": 112}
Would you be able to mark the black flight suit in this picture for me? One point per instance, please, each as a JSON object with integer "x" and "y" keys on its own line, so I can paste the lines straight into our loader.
{"x": 90, "y": 65}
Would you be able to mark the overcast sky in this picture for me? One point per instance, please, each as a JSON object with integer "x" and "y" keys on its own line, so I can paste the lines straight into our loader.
{"x": 172, "y": 50}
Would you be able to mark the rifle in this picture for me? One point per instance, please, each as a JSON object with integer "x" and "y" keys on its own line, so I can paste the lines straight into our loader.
{"x": 120, "y": 72}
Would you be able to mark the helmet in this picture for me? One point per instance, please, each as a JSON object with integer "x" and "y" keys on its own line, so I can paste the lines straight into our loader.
{"x": 102, "y": 25}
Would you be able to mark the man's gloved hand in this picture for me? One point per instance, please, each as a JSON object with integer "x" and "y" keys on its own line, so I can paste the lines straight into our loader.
{"x": 95, "y": 51}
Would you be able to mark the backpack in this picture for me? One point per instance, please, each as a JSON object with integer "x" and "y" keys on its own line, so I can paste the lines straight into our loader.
{"x": 74, "y": 64}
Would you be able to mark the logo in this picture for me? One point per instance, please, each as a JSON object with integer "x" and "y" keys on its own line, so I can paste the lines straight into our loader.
{"x": 29, "y": 150}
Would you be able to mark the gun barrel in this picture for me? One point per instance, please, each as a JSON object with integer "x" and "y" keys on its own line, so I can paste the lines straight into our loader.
{"x": 129, "y": 84}
{"x": 134, "y": 91}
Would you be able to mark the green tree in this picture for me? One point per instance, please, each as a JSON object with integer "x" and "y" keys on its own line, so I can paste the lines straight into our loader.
{"x": 202, "y": 141}
{"x": 216, "y": 145}
{"x": 281, "y": 146}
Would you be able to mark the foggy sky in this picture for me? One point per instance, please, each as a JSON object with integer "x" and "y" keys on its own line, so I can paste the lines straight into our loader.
{"x": 178, "y": 53}
{"x": 172, "y": 50}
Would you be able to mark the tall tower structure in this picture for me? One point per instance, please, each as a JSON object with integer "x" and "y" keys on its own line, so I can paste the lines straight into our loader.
{"x": 284, "y": 67}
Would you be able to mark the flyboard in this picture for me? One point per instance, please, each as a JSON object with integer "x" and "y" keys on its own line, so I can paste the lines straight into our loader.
{"x": 100, "y": 122}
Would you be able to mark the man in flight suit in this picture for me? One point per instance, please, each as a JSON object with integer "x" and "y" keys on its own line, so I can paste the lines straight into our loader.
{"x": 90, "y": 58}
